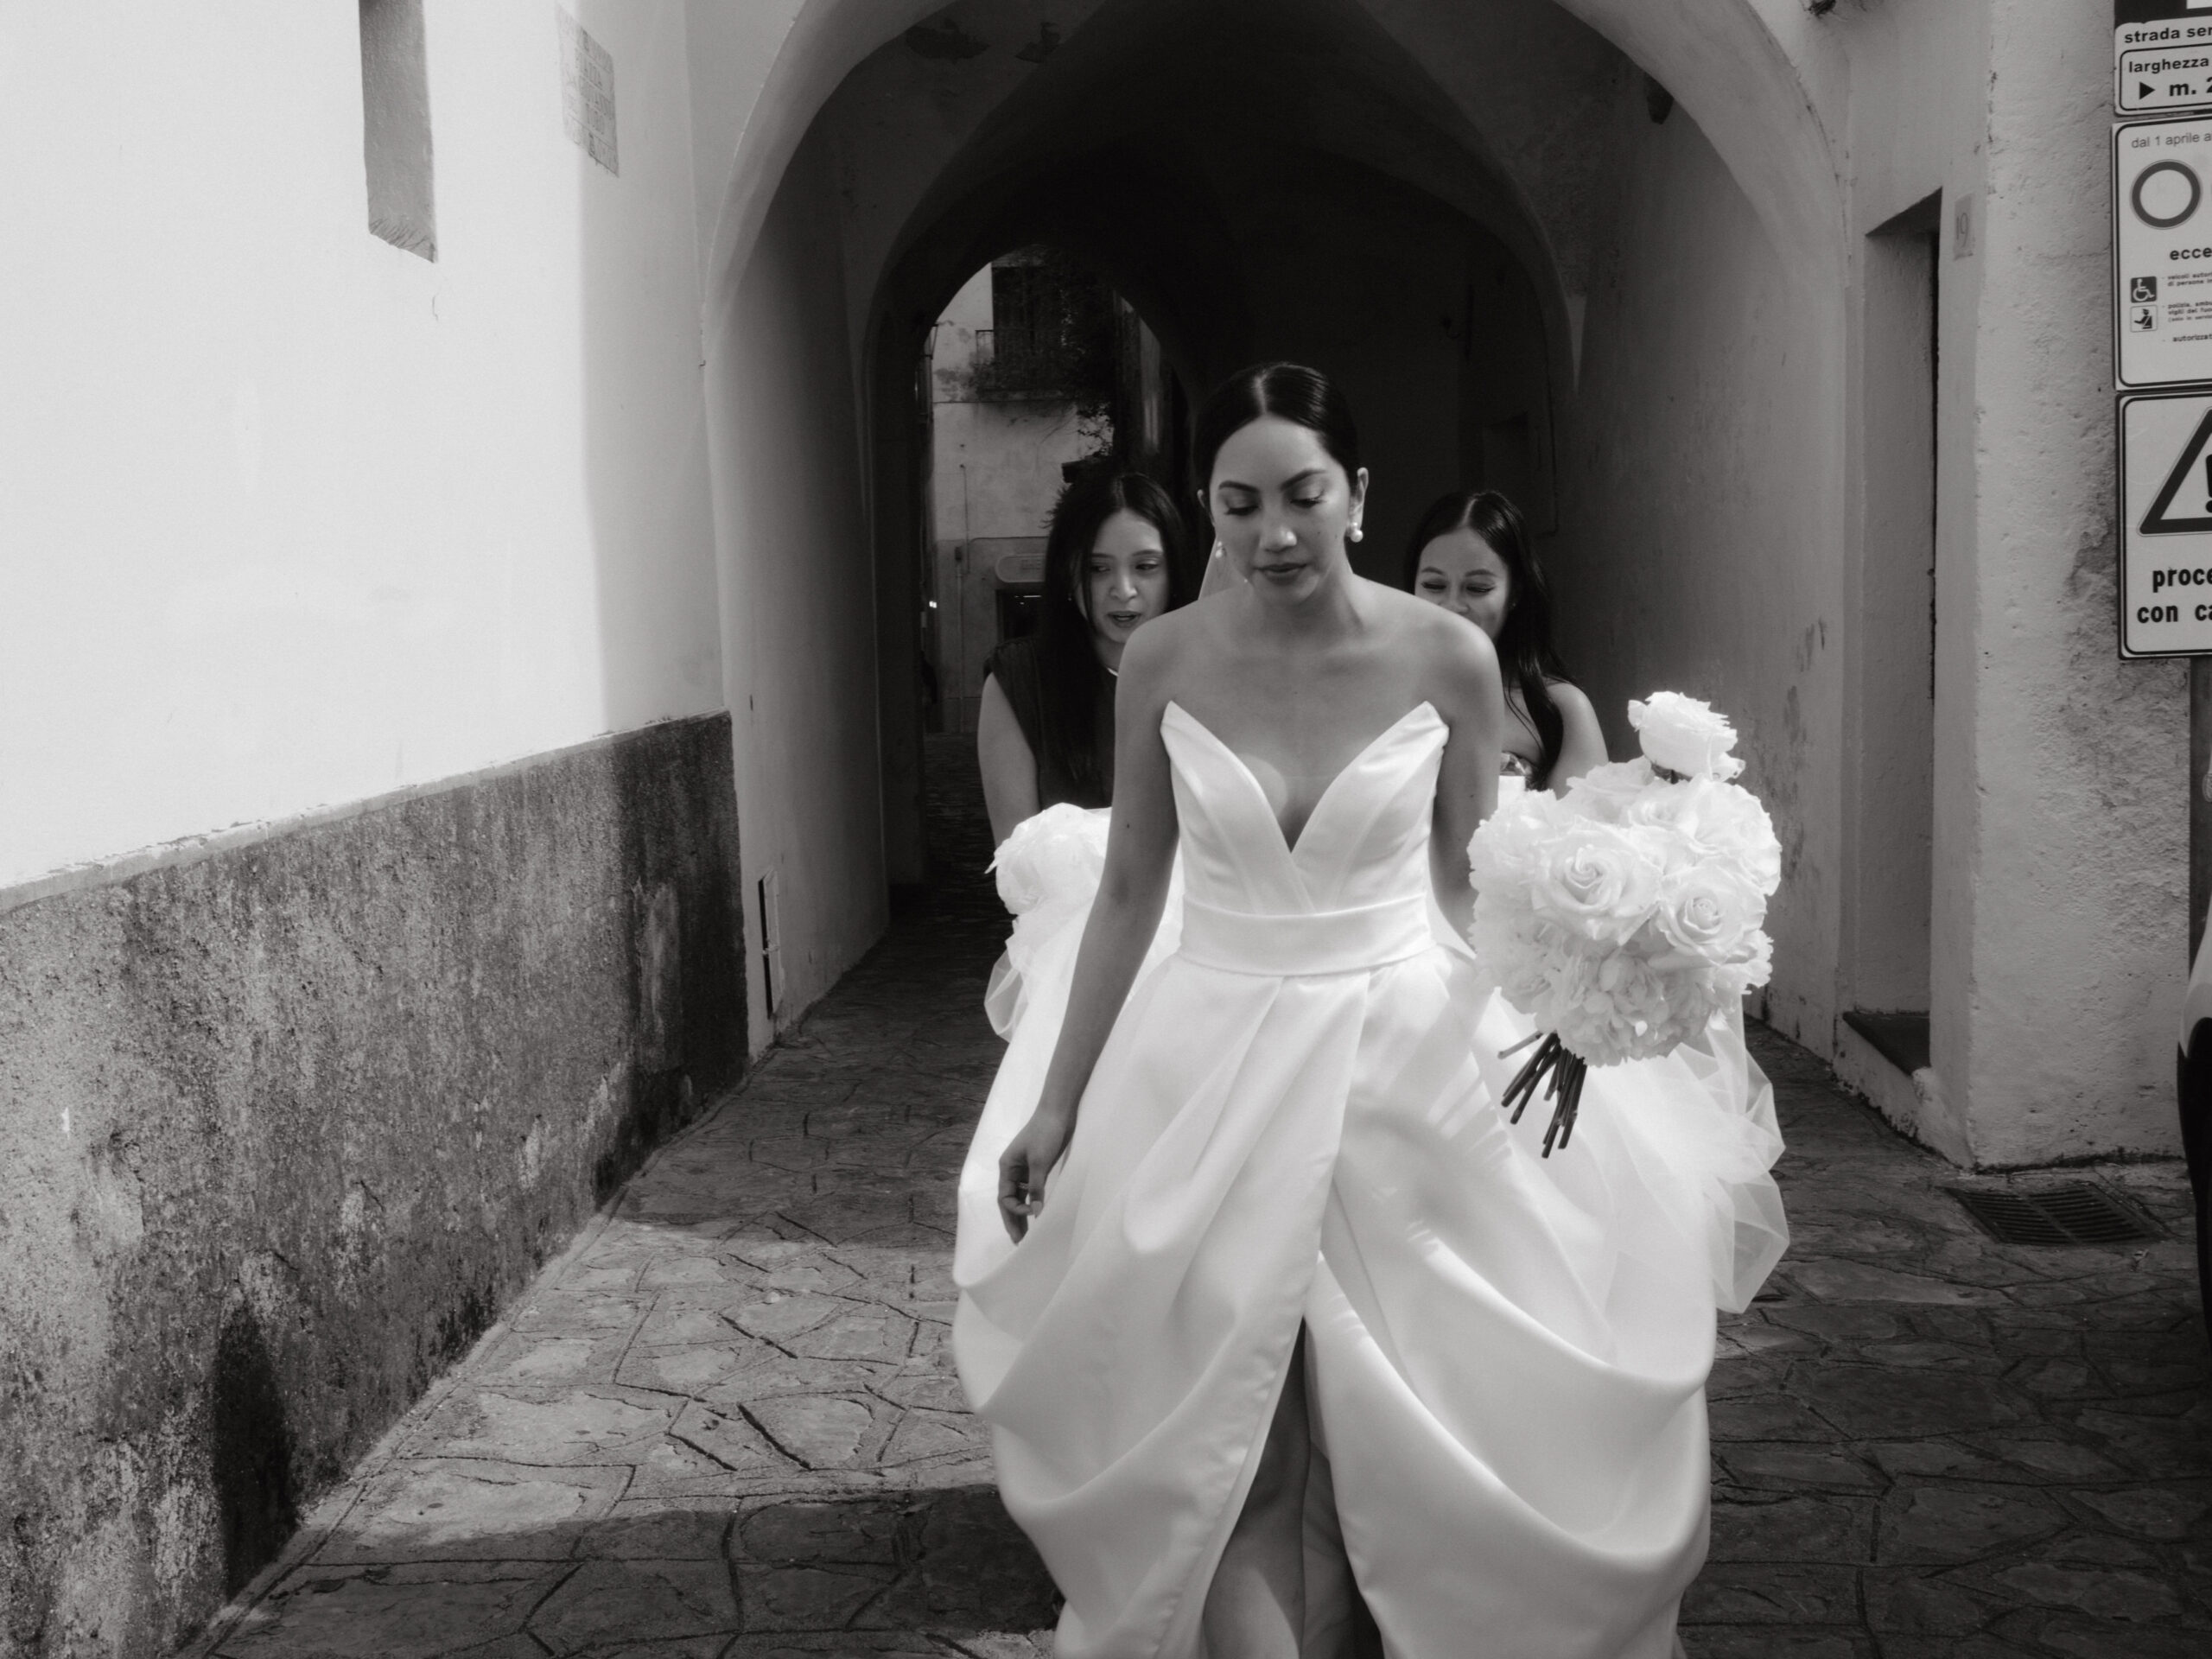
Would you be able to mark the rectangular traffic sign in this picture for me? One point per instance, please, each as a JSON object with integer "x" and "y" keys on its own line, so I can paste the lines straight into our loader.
{"x": 2162, "y": 251}
{"x": 2151, "y": 79}
{"x": 2162, "y": 55}
{"x": 2166, "y": 524}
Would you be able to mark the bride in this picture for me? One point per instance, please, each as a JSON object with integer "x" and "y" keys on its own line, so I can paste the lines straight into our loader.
{"x": 1266, "y": 1297}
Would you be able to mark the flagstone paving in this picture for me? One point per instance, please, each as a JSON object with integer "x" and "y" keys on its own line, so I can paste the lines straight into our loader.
{"x": 725, "y": 1424}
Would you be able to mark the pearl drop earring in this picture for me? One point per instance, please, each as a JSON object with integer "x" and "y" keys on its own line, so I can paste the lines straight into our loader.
{"x": 1354, "y": 533}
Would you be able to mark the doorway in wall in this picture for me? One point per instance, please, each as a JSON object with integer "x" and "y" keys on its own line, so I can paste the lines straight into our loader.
{"x": 1894, "y": 659}
{"x": 1035, "y": 369}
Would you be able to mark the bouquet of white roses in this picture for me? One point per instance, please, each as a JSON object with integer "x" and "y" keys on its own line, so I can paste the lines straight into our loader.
{"x": 1624, "y": 915}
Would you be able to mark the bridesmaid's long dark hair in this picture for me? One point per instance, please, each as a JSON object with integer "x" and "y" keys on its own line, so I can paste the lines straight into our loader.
{"x": 1071, "y": 680}
{"x": 1525, "y": 654}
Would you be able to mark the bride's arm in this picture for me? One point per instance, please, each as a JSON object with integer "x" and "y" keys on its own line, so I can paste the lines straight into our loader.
{"x": 1472, "y": 702}
{"x": 1139, "y": 853}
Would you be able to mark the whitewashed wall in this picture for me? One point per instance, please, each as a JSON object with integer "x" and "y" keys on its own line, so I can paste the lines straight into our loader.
{"x": 294, "y": 518}
{"x": 798, "y": 610}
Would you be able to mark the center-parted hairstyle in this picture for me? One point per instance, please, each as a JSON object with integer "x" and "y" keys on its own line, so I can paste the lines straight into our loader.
{"x": 1525, "y": 653}
{"x": 1289, "y": 391}
{"x": 1071, "y": 683}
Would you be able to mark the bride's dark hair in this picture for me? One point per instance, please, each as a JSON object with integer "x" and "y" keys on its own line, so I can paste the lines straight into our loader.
{"x": 1525, "y": 654}
{"x": 1290, "y": 390}
{"x": 1070, "y": 680}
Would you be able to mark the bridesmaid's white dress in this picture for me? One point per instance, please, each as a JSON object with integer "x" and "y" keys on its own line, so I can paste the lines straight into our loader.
{"x": 1294, "y": 1121}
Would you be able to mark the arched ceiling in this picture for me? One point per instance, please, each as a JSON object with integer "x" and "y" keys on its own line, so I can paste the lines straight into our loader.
{"x": 1140, "y": 211}
{"x": 1486, "y": 92}
{"x": 929, "y": 129}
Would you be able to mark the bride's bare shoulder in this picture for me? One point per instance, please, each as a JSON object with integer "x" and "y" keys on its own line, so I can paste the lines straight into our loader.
{"x": 1431, "y": 629}
{"x": 1155, "y": 652}
{"x": 1457, "y": 659}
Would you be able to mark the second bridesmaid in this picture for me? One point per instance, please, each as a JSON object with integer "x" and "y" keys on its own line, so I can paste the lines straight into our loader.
{"x": 1470, "y": 553}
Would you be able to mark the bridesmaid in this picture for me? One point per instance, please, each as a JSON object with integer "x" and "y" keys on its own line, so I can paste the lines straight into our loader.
{"x": 1470, "y": 554}
{"x": 1114, "y": 559}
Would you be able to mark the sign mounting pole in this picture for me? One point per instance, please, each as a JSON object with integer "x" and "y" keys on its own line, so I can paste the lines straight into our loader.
{"x": 2162, "y": 339}
{"x": 2200, "y": 797}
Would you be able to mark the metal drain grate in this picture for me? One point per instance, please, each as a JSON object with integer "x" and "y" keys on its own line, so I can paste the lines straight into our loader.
{"x": 2053, "y": 1215}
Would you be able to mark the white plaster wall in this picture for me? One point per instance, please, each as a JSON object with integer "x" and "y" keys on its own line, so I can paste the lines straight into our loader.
{"x": 798, "y": 597}
{"x": 952, "y": 342}
{"x": 2078, "y": 855}
{"x": 1698, "y": 548}
{"x": 293, "y": 518}
{"x": 994, "y": 469}
{"x": 996, "y": 466}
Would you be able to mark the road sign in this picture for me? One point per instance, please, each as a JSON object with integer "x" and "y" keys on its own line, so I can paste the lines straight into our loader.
{"x": 2165, "y": 524}
{"x": 2155, "y": 46}
{"x": 2162, "y": 251}
{"x": 2162, "y": 55}
{"x": 2151, "y": 80}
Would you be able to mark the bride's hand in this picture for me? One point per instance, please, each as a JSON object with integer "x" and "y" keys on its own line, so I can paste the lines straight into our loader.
{"x": 1023, "y": 1166}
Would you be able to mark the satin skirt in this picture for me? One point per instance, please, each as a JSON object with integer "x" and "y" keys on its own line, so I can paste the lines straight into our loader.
{"x": 1508, "y": 1353}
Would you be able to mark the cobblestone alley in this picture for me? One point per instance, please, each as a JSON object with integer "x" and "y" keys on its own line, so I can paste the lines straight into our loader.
{"x": 724, "y": 1423}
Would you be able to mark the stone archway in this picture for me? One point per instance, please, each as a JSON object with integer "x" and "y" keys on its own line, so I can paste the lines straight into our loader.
{"x": 1524, "y": 120}
{"x": 1365, "y": 226}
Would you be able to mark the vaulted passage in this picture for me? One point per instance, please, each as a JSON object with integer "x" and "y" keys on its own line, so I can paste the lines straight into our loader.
{"x": 1516, "y": 250}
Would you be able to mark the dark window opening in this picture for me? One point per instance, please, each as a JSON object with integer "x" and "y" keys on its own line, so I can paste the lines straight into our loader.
{"x": 396, "y": 125}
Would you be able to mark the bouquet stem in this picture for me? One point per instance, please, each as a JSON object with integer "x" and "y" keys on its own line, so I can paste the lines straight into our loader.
{"x": 1561, "y": 1072}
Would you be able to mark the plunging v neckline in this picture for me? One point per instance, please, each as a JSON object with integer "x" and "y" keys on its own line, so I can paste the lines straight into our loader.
{"x": 1290, "y": 844}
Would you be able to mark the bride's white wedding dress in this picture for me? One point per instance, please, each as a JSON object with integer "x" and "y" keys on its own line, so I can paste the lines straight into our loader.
{"x": 1294, "y": 1121}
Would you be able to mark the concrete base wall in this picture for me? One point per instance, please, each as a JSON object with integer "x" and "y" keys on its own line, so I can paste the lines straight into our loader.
{"x": 287, "y": 1122}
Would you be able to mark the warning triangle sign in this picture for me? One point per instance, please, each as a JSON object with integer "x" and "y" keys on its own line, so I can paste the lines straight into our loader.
{"x": 2183, "y": 504}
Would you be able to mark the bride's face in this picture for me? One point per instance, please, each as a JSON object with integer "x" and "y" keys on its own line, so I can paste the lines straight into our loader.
{"x": 1282, "y": 505}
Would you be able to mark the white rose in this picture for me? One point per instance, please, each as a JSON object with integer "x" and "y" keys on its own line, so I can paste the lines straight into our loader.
{"x": 1509, "y": 845}
{"x": 1606, "y": 792}
{"x": 1753, "y": 971}
{"x": 1685, "y": 735}
{"x": 1710, "y": 821}
{"x": 1711, "y": 911}
{"x": 1598, "y": 880}
{"x": 1729, "y": 823}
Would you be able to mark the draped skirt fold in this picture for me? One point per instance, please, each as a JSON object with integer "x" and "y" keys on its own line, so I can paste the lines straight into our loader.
{"x": 1508, "y": 1353}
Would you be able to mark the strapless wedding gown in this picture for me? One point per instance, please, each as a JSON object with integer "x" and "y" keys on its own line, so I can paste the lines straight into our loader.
{"x": 1294, "y": 1122}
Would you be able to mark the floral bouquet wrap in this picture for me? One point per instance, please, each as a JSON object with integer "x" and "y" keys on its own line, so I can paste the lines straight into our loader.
{"x": 1624, "y": 915}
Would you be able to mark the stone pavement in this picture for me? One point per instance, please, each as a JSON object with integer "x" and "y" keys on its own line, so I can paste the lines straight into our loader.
{"x": 1928, "y": 1443}
{"x": 724, "y": 1423}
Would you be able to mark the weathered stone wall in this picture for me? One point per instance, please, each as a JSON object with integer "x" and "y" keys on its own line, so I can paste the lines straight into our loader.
{"x": 282, "y": 1125}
